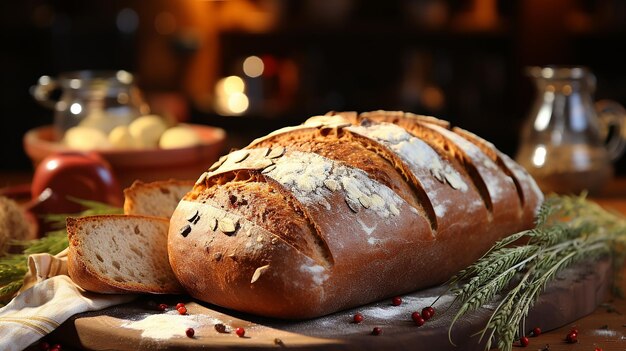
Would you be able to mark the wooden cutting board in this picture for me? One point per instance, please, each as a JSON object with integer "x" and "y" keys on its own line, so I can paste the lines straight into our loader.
{"x": 139, "y": 326}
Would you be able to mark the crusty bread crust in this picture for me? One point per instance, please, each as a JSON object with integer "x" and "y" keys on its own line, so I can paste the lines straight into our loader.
{"x": 312, "y": 219}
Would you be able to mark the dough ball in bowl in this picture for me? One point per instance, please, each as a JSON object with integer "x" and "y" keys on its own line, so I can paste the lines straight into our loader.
{"x": 178, "y": 137}
{"x": 147, "y": 130}
{"x": 85, "y": 139}
{"x": 120, "y": 138}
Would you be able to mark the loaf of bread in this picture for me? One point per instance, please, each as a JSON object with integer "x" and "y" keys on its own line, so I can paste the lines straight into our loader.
{"x": 15, "y": 224}
{"x": 344, "y": 210}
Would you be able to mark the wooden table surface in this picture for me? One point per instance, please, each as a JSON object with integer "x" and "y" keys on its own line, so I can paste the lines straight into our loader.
{"x": 604, "y": 329}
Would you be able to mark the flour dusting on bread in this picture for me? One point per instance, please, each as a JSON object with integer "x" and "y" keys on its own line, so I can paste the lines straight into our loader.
{"x": 311, "y": 177}
{"x": 413, "y": 151}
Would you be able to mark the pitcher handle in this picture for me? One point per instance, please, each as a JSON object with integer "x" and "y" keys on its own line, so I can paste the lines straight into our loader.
{"x": 41, "y": 91}
{"x": 612, "y": 116}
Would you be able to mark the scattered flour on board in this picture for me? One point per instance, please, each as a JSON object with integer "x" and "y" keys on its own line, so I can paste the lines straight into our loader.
{"x": 604, "y": 332}
{"x": 169, "y": 324}
{"x": 388, "y": 312}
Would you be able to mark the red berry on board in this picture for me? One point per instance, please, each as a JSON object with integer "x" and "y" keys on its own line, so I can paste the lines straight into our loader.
{"x": 536, "y": 331}
{"x": 190, "y": 332}
{"x": 240, "y": 332}
{"x": 57, "y": 346}
{"x": 179, "y": 305}
{"x": 182, "y": 310}
{"x": 162, "y": 307}
{"x": 396, "y": 301}
{"x": 419, "y": 321}
{"x": 415, "y": 315}
{"x": 358, "y": 318}
{"x": 571, "y": 337}
{"x": 574, "y": 329}
{"x": 377, "y": 331}
{"x": 428, "y": 313}
{"x": 597, "y": 349}
{"x": 523, "y": 341}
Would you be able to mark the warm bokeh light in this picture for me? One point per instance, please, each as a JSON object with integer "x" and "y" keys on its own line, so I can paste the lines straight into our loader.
{"x": 229, "y": 85}
{"x": 253, "y": 66}
{"x": 230, "y": 97}
{"x": 44, "y": 80}
{"x": 76, "y": 108}
{"x": 539, "y": 156}
{"x": 124, "y": 77}
{"x": 238, "y": 103}
{"x": 75, "y": 83}
{"x": 545, "y": 111}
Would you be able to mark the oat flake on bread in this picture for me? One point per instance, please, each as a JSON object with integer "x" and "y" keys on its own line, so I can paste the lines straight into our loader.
{"x": 344, "y": 210}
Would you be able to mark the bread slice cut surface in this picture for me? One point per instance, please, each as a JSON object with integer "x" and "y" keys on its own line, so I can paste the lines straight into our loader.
{"x": 120, "y": 253}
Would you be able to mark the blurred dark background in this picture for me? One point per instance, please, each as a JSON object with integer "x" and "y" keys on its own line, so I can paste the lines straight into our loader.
{"x": 461, "y": 60}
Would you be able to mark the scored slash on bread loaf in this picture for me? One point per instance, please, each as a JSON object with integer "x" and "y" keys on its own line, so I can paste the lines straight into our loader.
{"x": 120, "y": 254}
{"x": 344, "y": 210}
{"x": 158, "y": 198}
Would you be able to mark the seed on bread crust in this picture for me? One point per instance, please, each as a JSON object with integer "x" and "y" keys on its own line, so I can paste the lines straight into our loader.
{"x": 365, "y": 201}
{"x": 202, "y": 178}
{"x": 214, "y": 224}
{"x": 354, "y": 206}
{"x": 331, "y": 184}
{"x": 217, "y": 164}
{"x": 239, "y": 157}
{"x": 258, "y": 272}
{"x": 268, "y": 169}
{"x": 227, "y": 226}
{"x": 276, "y": 152}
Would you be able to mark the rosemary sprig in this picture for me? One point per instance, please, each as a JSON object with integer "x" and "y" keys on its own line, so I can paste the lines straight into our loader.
{"x": 567, "y": 230}
{"x": 13, "y": 267}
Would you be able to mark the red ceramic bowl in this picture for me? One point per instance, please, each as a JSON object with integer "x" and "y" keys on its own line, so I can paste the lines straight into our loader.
{"x": 141, "y": 164}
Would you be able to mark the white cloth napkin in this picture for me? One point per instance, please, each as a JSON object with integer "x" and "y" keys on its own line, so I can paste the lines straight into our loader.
{"x": 48, "y": 298}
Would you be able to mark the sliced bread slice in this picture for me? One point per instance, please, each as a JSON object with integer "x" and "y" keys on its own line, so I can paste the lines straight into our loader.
{"x": 120, "y": 253}
{"x": 158, "y": 198}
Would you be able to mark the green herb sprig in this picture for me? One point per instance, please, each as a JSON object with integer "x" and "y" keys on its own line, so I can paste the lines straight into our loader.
{"x": 568, "y": 229}
{"x": 13, "y": 267}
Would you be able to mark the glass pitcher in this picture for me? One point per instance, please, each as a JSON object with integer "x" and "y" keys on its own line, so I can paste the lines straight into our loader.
{"x": 98, "y": 99}
{"x": 569, "y": 142}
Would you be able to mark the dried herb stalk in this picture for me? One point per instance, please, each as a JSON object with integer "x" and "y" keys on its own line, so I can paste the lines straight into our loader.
{"x": 517, "y": 269}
